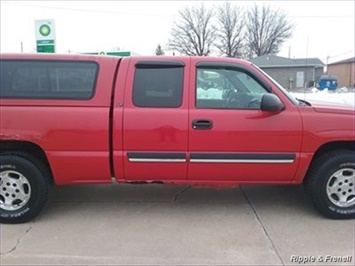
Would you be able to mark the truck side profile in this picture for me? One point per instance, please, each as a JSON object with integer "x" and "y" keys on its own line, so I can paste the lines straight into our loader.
{"x": 80, "y": 119}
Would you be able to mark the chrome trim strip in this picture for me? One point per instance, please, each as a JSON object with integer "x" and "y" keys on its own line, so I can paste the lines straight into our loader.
{"x": 240, "y": 161}
{"x": 142, "y": 160}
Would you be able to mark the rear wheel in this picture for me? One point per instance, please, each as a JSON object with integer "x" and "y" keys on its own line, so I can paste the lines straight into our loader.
{"x": 24, "y": 187}
{"x": 330, "y": 184}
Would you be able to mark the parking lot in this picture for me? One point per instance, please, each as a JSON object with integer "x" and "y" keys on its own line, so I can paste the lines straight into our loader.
{"x": 178, "y": 225}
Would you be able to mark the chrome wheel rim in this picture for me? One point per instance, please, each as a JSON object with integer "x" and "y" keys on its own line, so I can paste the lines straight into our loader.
{"x": 340, "y": 188}
{"x": 15, "y": 190}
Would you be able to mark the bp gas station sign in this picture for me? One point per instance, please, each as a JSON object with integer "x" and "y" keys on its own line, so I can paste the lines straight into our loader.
{"x": 45, "y": 36}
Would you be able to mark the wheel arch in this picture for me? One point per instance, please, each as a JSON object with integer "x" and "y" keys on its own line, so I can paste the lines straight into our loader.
{"x": 328, "y": 147}
{"x": 25, "y": 149}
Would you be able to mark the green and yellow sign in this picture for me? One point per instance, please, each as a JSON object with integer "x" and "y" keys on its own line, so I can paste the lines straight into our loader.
{"x": 45, "y": 36}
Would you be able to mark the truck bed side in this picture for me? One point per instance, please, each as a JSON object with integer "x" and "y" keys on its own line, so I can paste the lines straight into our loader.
{"x": 70, "y": 132}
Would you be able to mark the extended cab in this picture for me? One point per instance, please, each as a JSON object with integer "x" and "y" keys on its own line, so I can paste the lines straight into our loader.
{"x": 74, "y": 119}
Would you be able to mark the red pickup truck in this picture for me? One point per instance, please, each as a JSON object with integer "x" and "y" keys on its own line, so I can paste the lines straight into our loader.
{"x": 74, "y": 119}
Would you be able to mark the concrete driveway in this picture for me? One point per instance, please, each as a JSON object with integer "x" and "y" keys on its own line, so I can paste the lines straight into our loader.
{"x": 179, "y": 225}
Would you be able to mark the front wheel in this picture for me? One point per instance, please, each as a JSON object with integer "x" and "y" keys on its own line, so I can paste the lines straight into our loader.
{"x": 330, "y": 184}
{"x": 24, "y": 188}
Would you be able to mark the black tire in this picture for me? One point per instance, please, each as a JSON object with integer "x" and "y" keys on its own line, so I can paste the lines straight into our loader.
{"x": 330, "y": 178}
{"x": 24, "y": 190}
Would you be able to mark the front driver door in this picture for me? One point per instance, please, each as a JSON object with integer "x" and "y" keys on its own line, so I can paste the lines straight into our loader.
{"x": 230, "y": 138}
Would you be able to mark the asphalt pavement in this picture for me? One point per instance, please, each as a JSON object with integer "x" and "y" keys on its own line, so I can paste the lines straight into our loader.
{"x": 178, "y": 225}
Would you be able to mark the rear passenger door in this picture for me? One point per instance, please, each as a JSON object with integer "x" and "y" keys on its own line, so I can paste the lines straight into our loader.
{"x": 155, "y": 120}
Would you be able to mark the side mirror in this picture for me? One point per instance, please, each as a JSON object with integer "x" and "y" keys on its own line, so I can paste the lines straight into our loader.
{"x": 271, "y": 103}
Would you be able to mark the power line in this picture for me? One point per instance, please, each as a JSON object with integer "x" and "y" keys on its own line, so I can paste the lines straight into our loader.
{"x": 338, "y": 55}
{"x": 323, "y": 17}
{"x": 89, "y": 10}
{"x": 157, "y": 14}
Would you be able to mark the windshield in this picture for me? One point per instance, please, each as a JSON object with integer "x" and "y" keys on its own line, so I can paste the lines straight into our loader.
{"x": 282, "y": 89}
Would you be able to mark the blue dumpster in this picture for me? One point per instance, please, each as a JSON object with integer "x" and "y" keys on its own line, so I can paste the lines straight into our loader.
{"x": 328, "y": 82}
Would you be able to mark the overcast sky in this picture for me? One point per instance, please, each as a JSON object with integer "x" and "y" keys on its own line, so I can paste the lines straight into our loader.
{"x": 322, "y": 28}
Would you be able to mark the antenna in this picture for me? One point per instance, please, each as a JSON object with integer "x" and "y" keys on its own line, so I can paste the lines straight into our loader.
{"x": 305, "y": 75}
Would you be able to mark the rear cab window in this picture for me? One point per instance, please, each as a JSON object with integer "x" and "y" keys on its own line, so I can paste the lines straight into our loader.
{"x": 36, "y": 79}
{"x": 158, "y": 84}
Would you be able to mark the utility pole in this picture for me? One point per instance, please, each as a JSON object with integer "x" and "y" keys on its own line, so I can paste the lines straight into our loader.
{"x": 305, "y": 78}
{"x": 21, "y": 47}
{"x": 326, "y": 64}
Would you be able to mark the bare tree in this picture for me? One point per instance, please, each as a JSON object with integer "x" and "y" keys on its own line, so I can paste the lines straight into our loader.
{"x": 159, "y": 50}
{"x": 193, "y": 32}
{"x": 266, "y": 30}
{"x": 230, "y": 30}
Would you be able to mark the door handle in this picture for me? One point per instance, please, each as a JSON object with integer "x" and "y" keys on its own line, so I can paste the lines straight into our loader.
{"x": 202, "y": 124}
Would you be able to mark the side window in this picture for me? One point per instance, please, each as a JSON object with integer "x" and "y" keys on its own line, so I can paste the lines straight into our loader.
{"x": 218, "y": 88}
{"x": 209, "y": 84}
{"x": 48, "y": 79}
{"x": 158, "y": 86}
